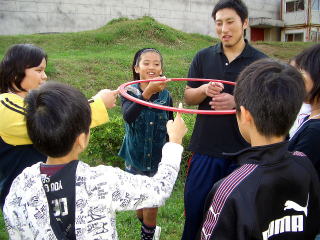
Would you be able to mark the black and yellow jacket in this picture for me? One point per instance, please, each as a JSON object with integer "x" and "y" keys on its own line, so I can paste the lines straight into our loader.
{"x": 16, "y": 149}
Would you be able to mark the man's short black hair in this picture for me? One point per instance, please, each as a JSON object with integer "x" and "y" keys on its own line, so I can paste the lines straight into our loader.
{"x": 237, "y": 5}
{"x": 309, "y": 61}
{"x": 56, "y": 114}
{"x": 273, "y": 93}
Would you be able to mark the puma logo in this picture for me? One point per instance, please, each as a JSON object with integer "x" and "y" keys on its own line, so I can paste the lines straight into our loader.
{"x": 212, "y": 216}
{"x": 204, "y": 235}
{"x": 215, "y": 215}
{"x": 295, "y": 206}
{"x": 294, "y": 223}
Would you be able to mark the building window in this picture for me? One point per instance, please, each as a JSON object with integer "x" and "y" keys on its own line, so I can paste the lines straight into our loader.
{"x": 294, "y": 37}
{"x": 290, "y": 7}
{"x": 316, "y": 5}
{"x": 294, "y": 6}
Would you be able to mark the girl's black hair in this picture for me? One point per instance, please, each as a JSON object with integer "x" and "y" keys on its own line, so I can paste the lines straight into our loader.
{"x": 309, "y": 61}
{"x": 18, "y": 58}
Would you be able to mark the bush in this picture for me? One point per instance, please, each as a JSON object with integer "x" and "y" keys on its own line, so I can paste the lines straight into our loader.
{"x": 105, "y": 142}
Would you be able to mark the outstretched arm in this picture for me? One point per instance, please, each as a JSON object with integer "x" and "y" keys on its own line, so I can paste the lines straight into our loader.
{"x": 105, "y": 99}
{"x": 13, "y": 128}
{"x": 136, "y": 191}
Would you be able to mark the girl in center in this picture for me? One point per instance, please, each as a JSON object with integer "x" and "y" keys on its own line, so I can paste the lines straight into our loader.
{"x": 145, "y": 127}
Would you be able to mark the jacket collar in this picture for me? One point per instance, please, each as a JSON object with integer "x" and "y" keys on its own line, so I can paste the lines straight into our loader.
{"x": 262, "y": 155}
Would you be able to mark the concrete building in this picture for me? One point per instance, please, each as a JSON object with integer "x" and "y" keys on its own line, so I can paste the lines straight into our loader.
{"x": 193, "y": 16}
{"x": 264, "y": 20}
{"x": 267, "y": 19}
{"x": 301, "y": 19}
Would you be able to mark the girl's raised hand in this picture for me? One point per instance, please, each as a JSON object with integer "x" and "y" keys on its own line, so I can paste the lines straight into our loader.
{"x": 155, "y": 86}
{"x": 158, "y": 86}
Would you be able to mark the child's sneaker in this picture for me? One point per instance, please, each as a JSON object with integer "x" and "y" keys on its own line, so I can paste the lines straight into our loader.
{"x": 157, "y": 232}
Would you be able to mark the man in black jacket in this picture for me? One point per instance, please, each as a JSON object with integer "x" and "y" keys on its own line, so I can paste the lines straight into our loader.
{"x": 274, "y": 194}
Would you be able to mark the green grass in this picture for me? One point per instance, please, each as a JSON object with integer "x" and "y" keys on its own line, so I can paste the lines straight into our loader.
{"x": 170, "y": 218}
{"x": 3, "y": 233}
{"x": 93, "y": 60}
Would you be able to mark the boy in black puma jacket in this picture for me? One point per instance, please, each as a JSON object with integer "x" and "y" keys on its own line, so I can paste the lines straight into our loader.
{"x": 274, "y": 194}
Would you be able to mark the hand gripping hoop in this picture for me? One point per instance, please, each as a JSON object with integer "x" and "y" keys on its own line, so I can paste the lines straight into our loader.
{"x": 124, "y": 93}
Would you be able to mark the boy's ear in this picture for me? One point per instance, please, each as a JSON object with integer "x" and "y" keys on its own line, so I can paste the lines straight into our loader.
{"x": 82, "y": 140}
{"x": 245, "y": 115}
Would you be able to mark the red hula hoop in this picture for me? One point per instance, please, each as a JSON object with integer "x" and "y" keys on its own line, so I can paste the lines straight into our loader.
{"x": 124, "y": 93}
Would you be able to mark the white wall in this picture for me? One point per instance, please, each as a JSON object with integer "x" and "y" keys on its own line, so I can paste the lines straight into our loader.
{"x": 42, "y": 16}
{"x": 315, "y": 17}
{"x": 264, "y": 8}
{"x": 292, "y": 18}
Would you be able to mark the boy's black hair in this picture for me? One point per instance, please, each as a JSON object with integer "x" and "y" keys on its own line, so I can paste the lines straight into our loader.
{"x": 309, "y": 61}
{"x": 13, "y": 65}
{"x": 56, "y": 114}
{"x": 137, "y": 58}
{"x": 273, "y": 93}
{"x": 237, "y": 5}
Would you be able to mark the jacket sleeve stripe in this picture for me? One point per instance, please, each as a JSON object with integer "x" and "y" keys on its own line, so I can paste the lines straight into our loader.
{"x": 221, "y": 196}
{"x": 15, "y": 105}
{"x": 12, "y": 108}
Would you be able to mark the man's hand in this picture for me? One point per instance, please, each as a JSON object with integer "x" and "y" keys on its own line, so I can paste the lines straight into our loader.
{"x": 108, "y": 97}
{"x": 223, "y": 101}
{"x": 176, "y": 128}
{"x": 211, "y": 89}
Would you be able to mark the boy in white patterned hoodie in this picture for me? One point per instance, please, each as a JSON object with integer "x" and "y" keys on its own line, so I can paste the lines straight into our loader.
{"x": 67, "y": 199}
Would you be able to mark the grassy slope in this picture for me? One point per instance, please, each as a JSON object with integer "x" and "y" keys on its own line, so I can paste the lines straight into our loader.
{"x": 98, "y": 59}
